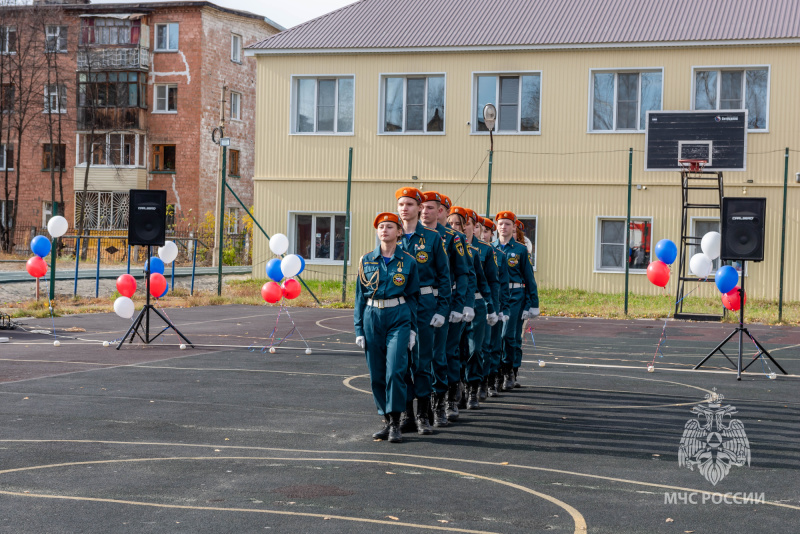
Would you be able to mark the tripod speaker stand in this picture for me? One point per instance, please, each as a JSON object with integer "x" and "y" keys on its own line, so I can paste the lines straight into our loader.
{"x": 144, "y": 317}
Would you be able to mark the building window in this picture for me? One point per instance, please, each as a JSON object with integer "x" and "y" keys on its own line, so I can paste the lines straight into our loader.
{"x": 7, "y": 95}
{"x": 8, "y": 39}
{"x": 164, "y": 158}
{"x": 108, "y": 100}
{"x": 167, "y": 37}
{"x": 734, "y": 89}
{"x": 531, "y": 233}
{"x": 323, "y": 105}
{"x": 412, "y": 104}
{"x": 55, "y": 99}
{"x": 55, "y": 161}
{"x": 620, "y": 100}
{"x": 6, "y": 211}
{"x": 6, "y": 157}
{"x": 56, "y": 38}
{"x": 233, "y": 220}
{"x": 611, "y": 254}
{"x": 47, "y": 211}
{"x": 111, "y": 149}
{"x": 110, "y": 31}
{"x": 170, "y": 223}
{"x": 233, "y": 163}
{"x": 319, "y": 237}
{"x": 104, "y": 210}
{"x": 517, "y": 98}
{"x": 166, "y": 99}
{"x": 236, "y": 106}
{"x": 236, "y": 48}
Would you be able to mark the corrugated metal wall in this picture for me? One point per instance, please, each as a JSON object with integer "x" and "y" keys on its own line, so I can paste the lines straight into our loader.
{"x": 565, "y": 176}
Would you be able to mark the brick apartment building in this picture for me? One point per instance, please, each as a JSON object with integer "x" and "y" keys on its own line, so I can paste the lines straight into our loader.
{"x": 139, "y": 93}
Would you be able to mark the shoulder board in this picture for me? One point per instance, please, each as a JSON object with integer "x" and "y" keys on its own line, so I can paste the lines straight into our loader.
{"x": 450, "y": 231}
{"x": 409, "y": 255}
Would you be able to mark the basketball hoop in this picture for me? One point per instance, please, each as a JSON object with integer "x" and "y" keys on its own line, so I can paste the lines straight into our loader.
{"x": 692, "y": 165}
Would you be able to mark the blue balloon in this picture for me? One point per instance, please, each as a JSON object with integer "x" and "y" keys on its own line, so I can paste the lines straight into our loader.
{"x": 302, "y": 264}
{"x": 166, "y": 288}
{"x": 274, "y": 269}
{"x": 666, "y": 251}
{"x": 726, "y": 278}
{"x": 40, "y": 246}
{"x": 156, "y": 265}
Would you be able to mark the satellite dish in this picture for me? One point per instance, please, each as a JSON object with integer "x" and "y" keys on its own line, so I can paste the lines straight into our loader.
{"x": 489, "y": 116}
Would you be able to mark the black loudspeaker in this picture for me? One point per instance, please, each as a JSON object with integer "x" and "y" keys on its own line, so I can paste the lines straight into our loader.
{"x": 147, "y": 221}
{"x": 743, "y": 224}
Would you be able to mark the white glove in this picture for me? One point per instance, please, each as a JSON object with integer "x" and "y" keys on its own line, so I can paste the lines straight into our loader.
{"x": 412, "y": 340}
{"x": 361, "y": 341}
{"x": 492, "y": 319}
{"x": 456, "y": 317}
{"x": 469, "y": 314}
{"x": 526, "y": 315}
{"x": 437, "y": 321}
{"x": 504, "y": 317}
{"x": 534, "y": 312}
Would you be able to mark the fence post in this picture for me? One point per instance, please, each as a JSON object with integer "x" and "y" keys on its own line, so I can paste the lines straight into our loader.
{"x": 53, "y": 247}
{"x": 129, "y": 258}
{"x": 172, "y": 287}
{"x": 77, "y": 262}
{"x": 347, "y": 225}
{"x": 194, "y": 263}
{"x": 783, "y": 232}
{"x": 97, "y": 276}
{"x": 628, "y": 228}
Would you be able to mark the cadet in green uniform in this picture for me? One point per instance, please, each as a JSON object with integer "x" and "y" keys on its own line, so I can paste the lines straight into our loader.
{"x": 493, "y": 346}
{"x": 433, "y": 272}
{"x": 387, "y": 292}
{"x": 524, "y": 302}
{"x": 490, "y": 270}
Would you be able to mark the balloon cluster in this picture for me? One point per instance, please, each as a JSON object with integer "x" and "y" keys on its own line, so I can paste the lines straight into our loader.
{"x": 279, "y": 269}
{"x": 126, "y": 284}
{"x": 726, "y": 277}
{"x": 40, "y": 246}
{"x": 658, "y": 271}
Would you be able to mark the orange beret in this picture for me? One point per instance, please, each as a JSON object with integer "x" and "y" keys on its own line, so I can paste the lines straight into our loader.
{"x": 472, "y": 215}
{"x": 386, "y": 216}
{"x": 458, "y": 210}
{"x": 478, "y": 219}
{"x": 506, "y": 215}
{"x": 488, "y": 223}
{"x": 520, "y": 224}
{"x": 429, "y": 196}
{"x": 410, "y": 192}
{"x": 446, "y": 201}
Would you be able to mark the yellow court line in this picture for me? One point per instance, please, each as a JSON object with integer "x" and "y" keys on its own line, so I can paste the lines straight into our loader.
{"x": 577, "y": 517}
{"x": 347, "y": 383}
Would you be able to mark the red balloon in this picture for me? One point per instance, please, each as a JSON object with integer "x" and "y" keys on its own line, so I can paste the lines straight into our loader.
{"x": 126, "y": 285}
{"x": 36, "y": 267}
{"x": 658, "y": 273}
{"x": 271, "y": 292}
{"x": 158, "y": 284}
{"x": 291, "y": 289}
{"x": 731, "y": 299}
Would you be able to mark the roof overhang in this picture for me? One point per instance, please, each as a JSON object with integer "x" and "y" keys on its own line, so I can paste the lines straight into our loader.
{"x": 120, "y": 16}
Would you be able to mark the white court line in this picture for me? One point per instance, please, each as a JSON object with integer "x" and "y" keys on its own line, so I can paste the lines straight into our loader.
{"x": 659, "y": 369}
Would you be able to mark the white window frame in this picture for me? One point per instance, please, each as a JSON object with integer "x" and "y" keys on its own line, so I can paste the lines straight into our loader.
{"x": 616, "y": 73}
{"x": 61, "y": 99}
{"x": 292, "y": 223}
{"x": 233, "y": 214}
{"x": 535, "y": 237}
{"x": 236, "y": 49}
{"x": 719, "y": 69}
{"x": 138, "y": 141}
{"x": 167, "y": 87}
{"x": 57, "y": 37}
{"x": 597, "y": 245}
{"x": 4, "y": 44}
{"x": 238, "y": 115}
{"x": 295, "y": 101}
{"x": 502, "y": 73}
{"x": 4, "y": 155}
{"x": 155, "y": 44}
{"x": 406, "y": 75}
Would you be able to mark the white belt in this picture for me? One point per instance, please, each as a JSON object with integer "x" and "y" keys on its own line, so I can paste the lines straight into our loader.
{"x": 515, "y": 286}
{"x": 428, "y": 290}
{"x": 478, "y": 296}
{"x": 454, "y": 287}
{"x": 386, "y": 303}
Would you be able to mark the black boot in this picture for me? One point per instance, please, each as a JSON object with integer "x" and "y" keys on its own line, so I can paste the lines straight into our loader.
{"x": 472, "y": 401}
{"x": 407, "y": 423}
{"x": 492, "y": 385}
{"x": 439, "y": 410}
{"x": 508, "y": 378}
{"x": 462, "y": 401}
{"x": 383, "y": 434}
{"x": 423, "y": 423}
{"x": 452, "y": 405}
{"x": 516, "y": 382}
{"x": 483, "y": 390}
{"x": 459, "y": 392}
{"x": 395, "y": 436}
{"x": 498, "y": 383}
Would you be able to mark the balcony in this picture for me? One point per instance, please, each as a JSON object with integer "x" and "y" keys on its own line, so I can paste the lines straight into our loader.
{"x": 111, "y": 118}
{"x": 114, "y": 58}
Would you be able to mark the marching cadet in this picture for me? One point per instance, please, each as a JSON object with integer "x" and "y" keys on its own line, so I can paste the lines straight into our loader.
{"x": 493, "y": 345}
{"x": 433, "y": 272}
{"x": 524, "y": 302}
{"x": 491, "y": 270}
{"x": 387, "y": 293}
{"x": 463, "y": 219}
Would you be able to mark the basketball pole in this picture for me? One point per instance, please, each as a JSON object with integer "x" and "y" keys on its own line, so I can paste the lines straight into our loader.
{"x": 783, "y": 233}
{"x": 628, "y": 227}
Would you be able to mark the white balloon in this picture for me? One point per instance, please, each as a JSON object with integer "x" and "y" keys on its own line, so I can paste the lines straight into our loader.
{"x": 57, "y": 226}
{"x": 168, "y": 252}
{"x": 124, "y": 307}
{"x": 700, "y": 265}
{"x": 711, "y": 244}
{"x": 291, "y": 265}
{"x": 279, "y": 244}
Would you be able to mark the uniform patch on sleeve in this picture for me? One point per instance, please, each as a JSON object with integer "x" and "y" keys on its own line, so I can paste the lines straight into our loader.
{"x": 459, "y": 247}
{"x": 513, "y": 260}
{"x": 422, "y": 256}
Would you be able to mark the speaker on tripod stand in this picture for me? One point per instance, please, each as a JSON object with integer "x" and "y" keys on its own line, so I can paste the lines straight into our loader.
{"x": 743, "y": 228}
{"x": 147, "y": 226}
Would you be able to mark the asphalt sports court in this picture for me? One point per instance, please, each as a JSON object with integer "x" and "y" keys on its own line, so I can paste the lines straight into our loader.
{"x": 227, "y": 437}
